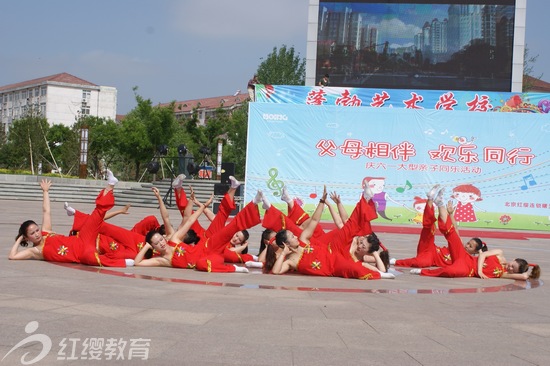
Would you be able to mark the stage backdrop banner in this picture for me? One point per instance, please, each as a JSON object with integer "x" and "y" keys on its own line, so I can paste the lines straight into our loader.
{"x": 471, "y": 101}
{"x": 495, "y": 166}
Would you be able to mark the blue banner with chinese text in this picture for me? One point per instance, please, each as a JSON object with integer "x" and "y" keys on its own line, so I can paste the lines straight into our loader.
{"x": 494, "y": 166}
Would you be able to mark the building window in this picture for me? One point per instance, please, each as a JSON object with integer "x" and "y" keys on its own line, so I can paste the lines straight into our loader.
{"x": 36, "y": 92}
{"x": 86, "y": 94}
{"x": 43, "y": 109}
{"x": 42, "y": 91}
{"x": 85, "y": 111}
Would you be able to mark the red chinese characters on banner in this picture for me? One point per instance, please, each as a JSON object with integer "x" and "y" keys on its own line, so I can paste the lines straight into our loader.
{"x": 379, "y": 99}
{"x": 384, "y": 150}
{"x": 355, "y": 149}
{"x": 326, "y": 148}
{"x": 479, "y": 104}
{"x": 411, "y": 103}
{"x": 444, "y": 153}
{"x": 518, "y": 155}
{"x": 446, "y": 102}
{"x": 346, "y": 100}
{"x": 465, "y": 154}
{"x": 352, "y": 148}
{"x": 316, "y": 97}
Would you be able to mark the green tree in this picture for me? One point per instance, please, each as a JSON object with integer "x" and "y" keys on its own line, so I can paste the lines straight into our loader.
{"x": 134, "y": 144}
{"x": 64, "y": 146}
{"x": 235, "y": 147}
{"x": 282, "y": 67}
{"x": 528, "y": 70}
{"x": 144, "y": 129}
{"x": 103, "y": 141}
{"x": 26, "y": 143}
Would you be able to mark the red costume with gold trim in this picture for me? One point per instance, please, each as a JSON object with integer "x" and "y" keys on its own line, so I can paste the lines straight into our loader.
{"x": 226, "y": 206}
{"x": 207, "y": 255}
{"x": 230, "y": 256}
{"x": 329, "y": 254}
{"x": 120, "y": 242}
{"x": 464, "y": 265}
{"x": 82, "y": 248}
{"x": 427, "y": 253}
{"x": 297, "y": 215}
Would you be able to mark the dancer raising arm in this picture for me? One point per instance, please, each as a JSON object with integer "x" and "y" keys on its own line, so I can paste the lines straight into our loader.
{"x": 329, "y": 255}
{"x": 53, "y": 247}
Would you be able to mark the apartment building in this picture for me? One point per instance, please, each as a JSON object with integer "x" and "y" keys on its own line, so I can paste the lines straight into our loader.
{"x": 61, "y": 98}
{"x": 207, "y": 107}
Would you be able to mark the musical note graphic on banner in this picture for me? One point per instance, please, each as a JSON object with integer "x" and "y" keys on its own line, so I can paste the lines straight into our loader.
{"x": 408, "y": 186}
{"x": 529, "y": 181}
{"x": 274, "y": 184}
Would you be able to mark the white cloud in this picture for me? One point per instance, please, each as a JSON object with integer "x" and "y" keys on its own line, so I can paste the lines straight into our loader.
{"x": 395, "y": 28}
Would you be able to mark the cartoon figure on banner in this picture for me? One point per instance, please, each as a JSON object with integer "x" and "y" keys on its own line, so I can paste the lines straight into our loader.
{"x": 419, "y": 204}
{"x": 462, "y": 140}
{"x": 466, "y": 195}
{"x": 380, "y": 198}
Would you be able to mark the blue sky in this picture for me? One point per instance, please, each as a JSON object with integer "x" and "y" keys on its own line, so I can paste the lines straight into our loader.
{"x": 169, "y": 49}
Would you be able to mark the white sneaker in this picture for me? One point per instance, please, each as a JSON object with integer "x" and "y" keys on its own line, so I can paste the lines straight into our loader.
{"x": 367, "y": 192}
{"x": 432, "y": 193}
{"x": 258, "y": 198}
{"x": 392, "y": 261}
{"x": 252, "y": 264}
{"x": 439, "y": 200}
{"x": 129, "y": 262}
{"x": 111, "y": 179}
{"x": 416, "y": 271}
{"x": 385, "y": 275}
{"x": 178, "y": 182}
{"x": 234, "y": 182}
{"x": 70, "y": 211}
{"x": 241, "y": 269}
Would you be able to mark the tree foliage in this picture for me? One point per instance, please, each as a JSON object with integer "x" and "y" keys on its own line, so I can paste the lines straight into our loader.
{"x": 26, "y": 143}
{"x": 528, "y": 70}
{"x": 282, "y": 67}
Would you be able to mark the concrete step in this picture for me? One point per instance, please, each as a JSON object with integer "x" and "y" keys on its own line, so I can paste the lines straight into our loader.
{"x": 21, "y": 187}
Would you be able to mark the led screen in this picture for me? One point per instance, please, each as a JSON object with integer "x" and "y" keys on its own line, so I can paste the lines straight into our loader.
{"x": 442, "y": 45}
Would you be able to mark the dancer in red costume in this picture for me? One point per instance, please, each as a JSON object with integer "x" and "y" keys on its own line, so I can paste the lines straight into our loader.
{"x": 427, "y": 253}
{"x": 367, "y": 248}
{"x": 120, "y": 242}
{"x": 329, "y": 255}
{"x": 53, "y": 247}
{"x": 489, "y": 264}
{"x": 207, "y": 255}
{"x": 217, "y": 221}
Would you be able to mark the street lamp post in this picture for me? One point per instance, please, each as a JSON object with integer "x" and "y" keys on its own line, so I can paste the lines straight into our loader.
{"x": 83, "y": 172}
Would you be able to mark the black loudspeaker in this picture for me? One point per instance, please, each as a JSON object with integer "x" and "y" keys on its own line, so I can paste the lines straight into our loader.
{"x": 227, "y": 170}
{"x": 153, "y": 167}
{"x": 219, "y": 190}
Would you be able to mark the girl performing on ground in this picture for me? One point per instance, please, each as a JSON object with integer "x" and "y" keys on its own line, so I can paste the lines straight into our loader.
{"x": 207, "y": 255}
{"x": 489, "y": 264}
{"x": 329, "y": 255}
{"x": 53, "y": 247}
{"x": 427, "y": 253}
